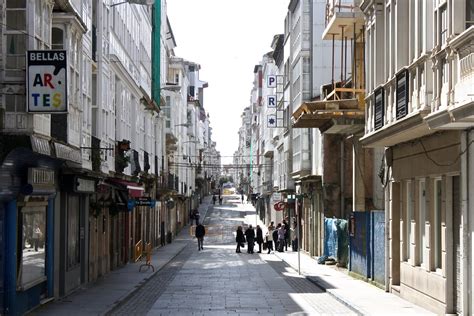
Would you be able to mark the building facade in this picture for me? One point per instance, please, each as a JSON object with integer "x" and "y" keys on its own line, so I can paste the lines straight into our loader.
{"x": 417, "y": 109}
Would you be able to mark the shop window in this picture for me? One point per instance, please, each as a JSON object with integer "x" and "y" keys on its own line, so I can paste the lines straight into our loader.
{"x": 437, "y": 223}
{"x": 409, "y": 218}
{"x": 31, "y": 248}
{"x": 422, "y": 220}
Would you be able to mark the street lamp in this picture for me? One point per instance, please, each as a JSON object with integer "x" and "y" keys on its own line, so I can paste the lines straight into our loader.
{"x": 141, "y": 2}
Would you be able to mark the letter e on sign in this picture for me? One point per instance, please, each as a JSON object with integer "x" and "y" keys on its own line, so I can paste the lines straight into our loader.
{"x": 271, "y": 81}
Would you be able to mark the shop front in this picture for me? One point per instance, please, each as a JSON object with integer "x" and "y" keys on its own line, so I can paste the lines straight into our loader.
{"x": 28, "y": 178}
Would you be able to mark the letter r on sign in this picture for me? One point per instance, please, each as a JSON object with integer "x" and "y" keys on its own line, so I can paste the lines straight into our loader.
{"x": 271, "y": 81}
{"x": 271, "y": 101}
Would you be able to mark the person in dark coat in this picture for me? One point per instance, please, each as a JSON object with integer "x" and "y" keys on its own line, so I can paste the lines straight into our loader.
{"x": 275, "y": 236}
{"x": 287, "y": 234}
{"x": 250, "y": 235}
{"x": 239, "y": 239}
{"x": 259, "y": 238}
{"x": 200, "y": 232}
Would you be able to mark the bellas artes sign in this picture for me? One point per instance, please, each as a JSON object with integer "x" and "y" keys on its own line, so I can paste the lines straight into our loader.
{"x": 47, "y": 81}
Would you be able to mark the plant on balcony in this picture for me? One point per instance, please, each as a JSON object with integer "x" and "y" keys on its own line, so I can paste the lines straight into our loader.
{"x": 121, "y": 161}
{"x": 96, "y": 160}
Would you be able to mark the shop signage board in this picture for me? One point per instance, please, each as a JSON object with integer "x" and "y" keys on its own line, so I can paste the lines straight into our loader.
{"x": 82, "y": 185}
{"x": 46, "y": 81}
{"x": 142, "y": 201}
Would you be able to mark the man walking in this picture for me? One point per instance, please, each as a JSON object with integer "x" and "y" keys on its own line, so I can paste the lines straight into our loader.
{"x": 200, "y": 232}
{"x": 250, "y": 236}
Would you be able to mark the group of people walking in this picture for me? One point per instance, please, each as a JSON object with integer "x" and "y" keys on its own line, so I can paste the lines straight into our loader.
{"x": 275, "y": 238}
{"x": 214, "y": 198}
{"x": 251, "y": 237}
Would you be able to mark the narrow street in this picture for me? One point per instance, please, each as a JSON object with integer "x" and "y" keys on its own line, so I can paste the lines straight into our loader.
{"x": 218, "y": 281}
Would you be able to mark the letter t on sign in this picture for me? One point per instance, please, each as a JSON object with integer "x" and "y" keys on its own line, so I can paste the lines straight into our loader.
{"x": 271, "y": 81}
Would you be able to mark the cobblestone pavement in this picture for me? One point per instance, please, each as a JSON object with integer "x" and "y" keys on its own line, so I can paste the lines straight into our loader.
{"x": 218, "y": 281}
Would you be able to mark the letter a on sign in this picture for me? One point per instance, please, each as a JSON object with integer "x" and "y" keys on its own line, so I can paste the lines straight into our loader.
{"x": 271, "y": 81}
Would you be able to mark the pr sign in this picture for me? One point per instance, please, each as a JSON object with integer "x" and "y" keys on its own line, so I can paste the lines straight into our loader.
{"x": 47, "y": 81}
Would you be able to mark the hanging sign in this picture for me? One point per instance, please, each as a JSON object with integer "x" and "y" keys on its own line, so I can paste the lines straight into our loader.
{"x": 46, "y": 81}
{"x": 279, "y": 206}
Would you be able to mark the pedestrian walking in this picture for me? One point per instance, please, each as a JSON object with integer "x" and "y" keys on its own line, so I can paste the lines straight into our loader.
{"x": 269, "y": 237}
{"x": 196, "y": 216}
{"x": 213, "y": 199}
{"x": 275, "y": 236}
{"x": 281, "y": 238}
{"x": 200, "y": 232}
{"x": 36, "y": 237}
{"x": 287, "y": 233}
{"x": 250, "y": 236}
{"x": 239, "y": 239}
{"x": 259, "y": 238}
{"x": 220, "y": 199}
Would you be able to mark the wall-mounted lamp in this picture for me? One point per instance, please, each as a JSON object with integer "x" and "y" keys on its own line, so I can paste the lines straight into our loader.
{"x": 140, "y": 2}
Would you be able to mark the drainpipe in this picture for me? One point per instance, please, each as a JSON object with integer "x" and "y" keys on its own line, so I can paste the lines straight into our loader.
{"x": 343, "y": 215}
{"x": 387, "y": 189}
{"x": 467, "y": 225}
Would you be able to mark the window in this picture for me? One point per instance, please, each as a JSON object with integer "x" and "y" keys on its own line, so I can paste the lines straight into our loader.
{"x": 422, "y": 221}
{"x": 402, "y": 94}
{"x": 469, "y": 13}
{"x": 409, "y": 218}
{"x": 443, "y": 25}
{"x": 379, "y": 108}
{"x": 31, "y": 246}
{"x": 437, "y": 223}
{"x": 57, "y": 38}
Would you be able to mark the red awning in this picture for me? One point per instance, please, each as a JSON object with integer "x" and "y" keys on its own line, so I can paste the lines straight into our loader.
{"x": 134, "y": 189}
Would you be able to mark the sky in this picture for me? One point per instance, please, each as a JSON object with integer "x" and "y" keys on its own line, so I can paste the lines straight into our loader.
{"x": 227, "y": 38}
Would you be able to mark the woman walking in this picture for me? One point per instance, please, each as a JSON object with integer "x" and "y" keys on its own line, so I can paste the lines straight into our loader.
{"x": 239, "y": 239}
{"x": 268, "y": 237}
{"x": 281, "y": 238}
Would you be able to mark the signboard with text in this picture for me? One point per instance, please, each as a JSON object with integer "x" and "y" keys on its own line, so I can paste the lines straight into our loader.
{"x": 46, "y": 81}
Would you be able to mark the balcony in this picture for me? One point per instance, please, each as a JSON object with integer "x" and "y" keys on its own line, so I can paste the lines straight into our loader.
{"x": 457, "y": 112}
{"x": 394, "y": 115}
{"x": 341, "y": 107}
{"x": 167, "y": 183}
{"x": 343, "y": 19}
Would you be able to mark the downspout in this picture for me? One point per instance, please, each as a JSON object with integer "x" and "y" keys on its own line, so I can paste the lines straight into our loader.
{"x": 342, "y": 212}
{"x": 387, "y": 189}
{"x": 311, "y": 51}
{"x": 466, "y": 237}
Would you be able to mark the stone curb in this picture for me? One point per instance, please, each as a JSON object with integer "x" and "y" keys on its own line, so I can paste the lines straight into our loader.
{"x": 339, "y": 298}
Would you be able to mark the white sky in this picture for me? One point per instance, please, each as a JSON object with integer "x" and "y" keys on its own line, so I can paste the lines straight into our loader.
{"x": 227, "y": 38}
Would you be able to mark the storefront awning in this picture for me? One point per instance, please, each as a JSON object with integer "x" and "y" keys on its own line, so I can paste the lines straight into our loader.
{"x": 134, "y": 189}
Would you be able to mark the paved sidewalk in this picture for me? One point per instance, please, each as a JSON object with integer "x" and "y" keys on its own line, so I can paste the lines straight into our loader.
{"x": 101, "y": 296}
{"x": 362, "y": 297}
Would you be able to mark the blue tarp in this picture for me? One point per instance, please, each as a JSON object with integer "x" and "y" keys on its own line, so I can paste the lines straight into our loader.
{"x": 336, "y": 239}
